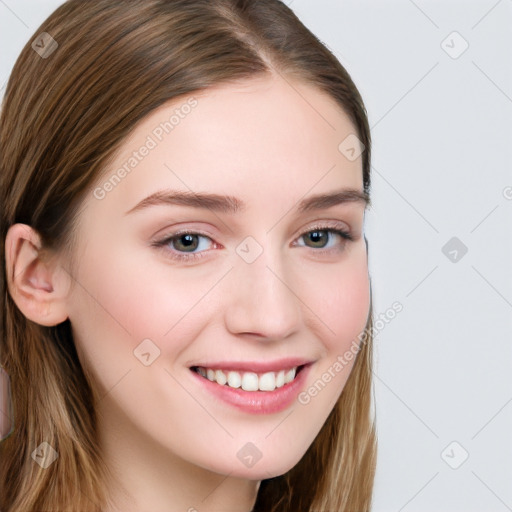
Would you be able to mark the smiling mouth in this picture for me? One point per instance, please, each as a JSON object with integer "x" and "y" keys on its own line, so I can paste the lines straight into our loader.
{"x": 249, "y": 381}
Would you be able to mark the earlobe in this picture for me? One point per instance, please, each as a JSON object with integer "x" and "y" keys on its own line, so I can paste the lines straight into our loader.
{"x": 35, "y": 281}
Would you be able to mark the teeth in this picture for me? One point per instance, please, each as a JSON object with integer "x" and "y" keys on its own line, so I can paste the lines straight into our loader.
{"x": 249, "y": 381}
{"x": 220, "y": 377}
{"x": 234, "y": 380}
{"x": 269, "y": 381}
{"x": 290, "y": 375}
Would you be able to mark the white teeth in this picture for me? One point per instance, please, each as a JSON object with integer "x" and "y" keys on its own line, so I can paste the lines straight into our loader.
{"x": 290, "y": 375}
{"x": 249, "y": 381}
{"x": 234, "y": 380}
{"x": 268, "y": 381}
{"x": 220, "y": 377}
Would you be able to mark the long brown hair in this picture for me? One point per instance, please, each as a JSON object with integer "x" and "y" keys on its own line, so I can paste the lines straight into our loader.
{"x": 64, "y": 115}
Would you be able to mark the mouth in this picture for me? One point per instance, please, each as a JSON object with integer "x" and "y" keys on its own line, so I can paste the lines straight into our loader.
{"x": 250, "y": 381}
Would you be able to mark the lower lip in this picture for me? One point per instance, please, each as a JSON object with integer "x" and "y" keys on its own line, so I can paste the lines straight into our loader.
{"x": 257, "y": 402}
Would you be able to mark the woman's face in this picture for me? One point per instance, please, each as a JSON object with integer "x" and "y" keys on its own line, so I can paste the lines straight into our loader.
{"x": 266, "y": 286}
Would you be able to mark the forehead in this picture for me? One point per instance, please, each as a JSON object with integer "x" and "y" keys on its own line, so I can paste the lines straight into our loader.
{"x": 262, "y": 139}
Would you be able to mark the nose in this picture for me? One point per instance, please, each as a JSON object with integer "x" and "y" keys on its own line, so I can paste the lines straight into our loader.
{"x": 262, "y": 299}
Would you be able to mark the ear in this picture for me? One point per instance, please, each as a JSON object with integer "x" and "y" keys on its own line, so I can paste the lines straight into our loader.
{"x": 38, "y": 284}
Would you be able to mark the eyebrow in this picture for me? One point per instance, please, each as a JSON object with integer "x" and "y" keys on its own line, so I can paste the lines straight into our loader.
{"x": 232, "y": 205}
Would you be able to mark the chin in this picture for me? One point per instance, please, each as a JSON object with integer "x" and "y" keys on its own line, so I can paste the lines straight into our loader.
{"x": 263, "y": 470}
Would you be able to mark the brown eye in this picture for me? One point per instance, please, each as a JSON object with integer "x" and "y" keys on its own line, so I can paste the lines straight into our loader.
{"x": 188, "y": 242}
{"x": 182, "y": 246}
{"x": 321, "y": 236}
{"x": 318, "y": 237}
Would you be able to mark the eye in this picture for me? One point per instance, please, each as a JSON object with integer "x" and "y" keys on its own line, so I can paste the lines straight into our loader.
{"x": 186, "y": 241}
{"x": 182, "y": 245}
{"x": 322, "y": 234}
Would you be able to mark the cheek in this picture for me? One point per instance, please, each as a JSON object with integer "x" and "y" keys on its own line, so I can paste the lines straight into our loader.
{"x": 143, "y": 298}
{"x": 122, "y": 302}
{"x": 353, "y": 301}
{"x": 342, "y": 303}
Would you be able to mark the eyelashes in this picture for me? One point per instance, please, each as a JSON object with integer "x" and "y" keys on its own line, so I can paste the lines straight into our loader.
{"x": 316, "y": 232}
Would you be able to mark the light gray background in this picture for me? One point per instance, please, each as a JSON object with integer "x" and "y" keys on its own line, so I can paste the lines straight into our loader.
{"x": 442, "y": 157}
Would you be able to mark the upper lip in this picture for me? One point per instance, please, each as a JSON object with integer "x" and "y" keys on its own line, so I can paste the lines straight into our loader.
{"x": 255, "y": 366}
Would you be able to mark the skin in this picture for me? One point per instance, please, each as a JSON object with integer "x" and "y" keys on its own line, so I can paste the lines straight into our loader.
{"x": 169, "y": 442}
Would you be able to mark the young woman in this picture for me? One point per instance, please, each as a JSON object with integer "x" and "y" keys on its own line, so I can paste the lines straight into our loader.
{"x": 187, "y": 308}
